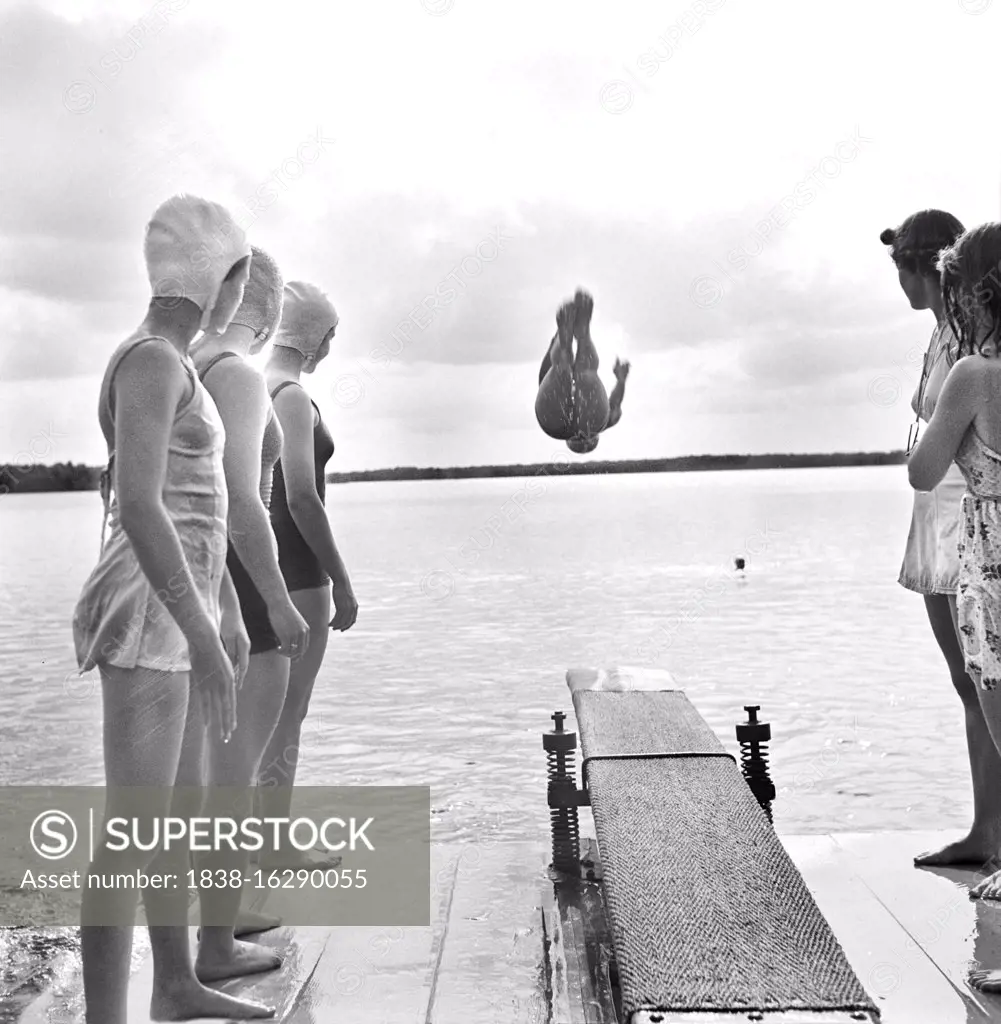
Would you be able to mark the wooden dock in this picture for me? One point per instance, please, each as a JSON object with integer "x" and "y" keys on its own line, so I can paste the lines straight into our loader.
{"x": 911, "y": 935}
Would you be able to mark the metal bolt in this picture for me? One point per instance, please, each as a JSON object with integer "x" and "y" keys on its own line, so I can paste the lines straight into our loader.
{"x": 558, "y": 717}
{"x": 752, "y": 716}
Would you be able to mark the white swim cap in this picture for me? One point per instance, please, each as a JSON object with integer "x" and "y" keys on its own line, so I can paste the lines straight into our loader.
{"x": 191, "y": 246}
{"x": 307, "y": 317}
{"x": 261, "y": 309}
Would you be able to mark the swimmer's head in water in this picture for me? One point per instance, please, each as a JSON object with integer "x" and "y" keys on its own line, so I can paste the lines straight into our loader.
{"x": 971, "y": 289}
{"x": 195, "y": 250}
{"x": 261, "y": 309}
{"x": 308, "y": 323}
{"x": 582, "y": 445}
{"x": 914, "y": 248}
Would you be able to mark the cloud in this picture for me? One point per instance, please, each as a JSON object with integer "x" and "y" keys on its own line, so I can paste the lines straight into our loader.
{"x": 479, "y": 284}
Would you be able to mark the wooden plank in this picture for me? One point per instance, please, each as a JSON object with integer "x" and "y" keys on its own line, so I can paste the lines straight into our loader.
{"x": 383, "y": 975}
{"x": 933, "y": 906}
{"x": 578, "y": 945}
{"x": 566, "y": 997}
{"x": 491, "y": 967}
{"x": 900, "y": 977}
{"x": 620, "y": 679}
{"x": 597, "y": 937}
{"x": 301, "y": 948}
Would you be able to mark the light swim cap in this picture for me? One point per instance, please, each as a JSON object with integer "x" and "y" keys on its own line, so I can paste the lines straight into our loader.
{"x": 261, "y": 309}
{"x": 191, "y": 245}
{"x": 307, "y": 317}
{"x": 582, "y": 445}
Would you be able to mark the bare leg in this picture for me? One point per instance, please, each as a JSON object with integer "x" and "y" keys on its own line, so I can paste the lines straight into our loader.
{"x": 984, "y": 839}
{"x": 235, "y": 765}
{"x": 281, "y": 758}
{"x": 143, "y": 724}
{"x": 990, "y": 887}
{"x": 586, "y": 359}
{"x": 177, "y": 992}
{"x": 555, "y": 400}
{"x": 591, "y": 407}
{"x": 547, "y": 360}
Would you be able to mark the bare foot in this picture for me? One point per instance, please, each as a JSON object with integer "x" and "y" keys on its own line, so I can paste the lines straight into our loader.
{"x": 966, "y": 851}
{"x": 244, "y": 958}
{"x": 584, "y": 305}
{"x": 987, "y": 889}
{"x": 300, "y": 860}
{"x": 193, "y": 1002}
{"x": 565, "y": 317}
{"x": 250, "y": 923}
{"x": 986, "y": 981}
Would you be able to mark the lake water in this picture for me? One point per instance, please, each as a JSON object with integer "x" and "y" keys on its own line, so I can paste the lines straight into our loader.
{"x": 476, "y": 595}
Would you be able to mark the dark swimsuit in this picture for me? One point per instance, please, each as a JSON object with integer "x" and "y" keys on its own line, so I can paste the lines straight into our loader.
{"x": 253, "y": 607}
{"x": 300, "y": 566}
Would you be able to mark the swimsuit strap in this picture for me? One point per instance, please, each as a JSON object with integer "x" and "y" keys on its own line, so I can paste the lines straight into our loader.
{"x": 105, "y": 483}
{"x": 222, "y": 355}
{"x": 215, "y": 359}
{"x": 285, "y": 384}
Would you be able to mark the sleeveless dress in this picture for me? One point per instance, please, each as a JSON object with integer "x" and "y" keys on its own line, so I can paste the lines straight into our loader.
{"x": 979, "y": 596}
{"x": 300, "y": 567}
{"x": 253, "y": 607}
{"x": 931, "y": 557}
{"x": 119, "y": 620}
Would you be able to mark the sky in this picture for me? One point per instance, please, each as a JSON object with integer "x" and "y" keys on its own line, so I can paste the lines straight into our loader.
{"x": 715, "y": 172}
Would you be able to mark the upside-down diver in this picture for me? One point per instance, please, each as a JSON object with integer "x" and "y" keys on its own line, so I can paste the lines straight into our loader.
{"x": 572, "y": 404}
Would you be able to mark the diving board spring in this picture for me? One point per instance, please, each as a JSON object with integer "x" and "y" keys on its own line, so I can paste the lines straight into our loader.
{"x": 560, "y": 747}
{"x": 753, "y": 737}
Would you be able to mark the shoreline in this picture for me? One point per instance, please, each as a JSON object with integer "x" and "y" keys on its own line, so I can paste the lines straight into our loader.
{"x": 68, "y": 476}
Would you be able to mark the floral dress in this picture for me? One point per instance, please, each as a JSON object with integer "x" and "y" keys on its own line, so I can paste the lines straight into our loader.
{"x": 979, "y": 591}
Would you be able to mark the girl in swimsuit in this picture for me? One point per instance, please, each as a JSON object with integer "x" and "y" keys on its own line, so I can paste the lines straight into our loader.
{"x": 931, "y": 558}
{"x": 966, "y": 428}
{"x": 310, "y": 562}
{"x": 276, "y": 630}
{"x": 158, "y": 616}
{"x": 571, "y": 404}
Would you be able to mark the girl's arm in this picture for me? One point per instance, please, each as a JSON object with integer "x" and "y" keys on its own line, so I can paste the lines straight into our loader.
{"x": 149, "y": 385}
{"x": 232, "y": 631}
{"x": 295, "y": 411}
{"x": 241, "y": 397}
{"x": 618, "y": 393}
{"x": 954, "y": 413}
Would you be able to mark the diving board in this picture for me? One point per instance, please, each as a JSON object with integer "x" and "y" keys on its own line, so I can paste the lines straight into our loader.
{"x": 708, "y": 913}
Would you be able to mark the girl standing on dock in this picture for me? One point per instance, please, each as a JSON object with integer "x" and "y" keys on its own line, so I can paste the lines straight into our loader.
{"x": 966, "y": 427}
{"x": 310, "y": 562}
{"x": 276, "y": 630}
{"x": 159, "y": 616}
{"x": 931, "y": 558}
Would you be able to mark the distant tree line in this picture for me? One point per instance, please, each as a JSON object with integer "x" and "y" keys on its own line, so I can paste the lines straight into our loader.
{"x": 682, "y": 464}
{"x": 68, "y": 476}
{"x": 63, "y": 476}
